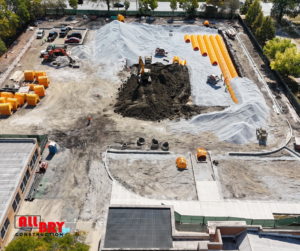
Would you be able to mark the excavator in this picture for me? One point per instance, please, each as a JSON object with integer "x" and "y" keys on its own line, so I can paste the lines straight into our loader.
{"x": 51, "y": 56}
{"x": 143, "y": 74}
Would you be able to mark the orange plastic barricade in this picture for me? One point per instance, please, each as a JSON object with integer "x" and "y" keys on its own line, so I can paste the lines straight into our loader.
{"x": 2, "y": 100}
{"x": 7, "y": 95}
{"x": 29, "y": 75}
{"x": 183, "y": 62}
{"x": 210, "y": 50}
{"x": 21, "y": 97}
{"x": 31, "y": 86}
{"x": 32, "y": 99}
{"x": 121, "y": 18}
{"x": 176, "y": 60}
{"x": 226, "y": 57}
{"x": 44, "y": 81}
{"x": 39, "y": 74}
{"x": 5, "y": 109}
{"x": 223, "y": 67}
{"x": 14, "y": 102}
{"x": 187, "y": 38}
{"x": 39, "y": 90}
{"x": 181, "y": 163}
{"x": 202, "y": 45}
{"x": 194, "y": 43}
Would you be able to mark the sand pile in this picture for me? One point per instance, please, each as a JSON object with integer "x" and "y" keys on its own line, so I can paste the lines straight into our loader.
{"x": 82, "y": 52}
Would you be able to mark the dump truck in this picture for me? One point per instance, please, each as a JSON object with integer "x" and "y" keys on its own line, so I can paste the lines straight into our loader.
{"x": 213, "y": 79}
{"x": 262, "y": 134}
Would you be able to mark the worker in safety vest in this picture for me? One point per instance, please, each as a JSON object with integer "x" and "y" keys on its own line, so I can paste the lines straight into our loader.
{"x": 226, "y": 88}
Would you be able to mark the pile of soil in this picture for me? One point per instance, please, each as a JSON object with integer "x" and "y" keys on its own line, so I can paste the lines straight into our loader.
{"x": 165, "y": 97}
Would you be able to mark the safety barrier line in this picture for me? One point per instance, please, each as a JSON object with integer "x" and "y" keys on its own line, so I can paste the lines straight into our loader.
{"x": 202, "y": 45}
{"x": 211, "y": 53}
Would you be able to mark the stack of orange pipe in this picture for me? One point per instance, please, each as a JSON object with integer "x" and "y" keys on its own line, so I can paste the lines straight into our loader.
{"x": 223, "y": 67}
{"x": 226, "y": 57}
{"x": 194, "y": 43}
{"x": 202, "y": 45}
{"x": 210, "y": 50}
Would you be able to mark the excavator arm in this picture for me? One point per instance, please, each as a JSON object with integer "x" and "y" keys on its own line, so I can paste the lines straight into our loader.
{"x": 141, "y": 66}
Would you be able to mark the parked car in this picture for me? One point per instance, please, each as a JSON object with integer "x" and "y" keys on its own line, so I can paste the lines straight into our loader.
{"x": 69, "y": 27}
{"x": 51, "y": 19}
{"x": 72, "y": 17}
{"x": 52, "y": 35}
{"x": 84, "y": 17}
{"x": 40, "y": 34}
{"x": 119, "y": 5}
{"x": 63, "y": 32}
{"x": 75, "y": 34}
{"x": 72, "y": 40}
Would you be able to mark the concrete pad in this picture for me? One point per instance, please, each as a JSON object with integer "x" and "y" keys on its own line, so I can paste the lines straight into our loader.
{"x": 285, "y": 208}
{"x": 88, "y": 228}
{"x": 96, "y": 239}
{"x": 208, "y": 191}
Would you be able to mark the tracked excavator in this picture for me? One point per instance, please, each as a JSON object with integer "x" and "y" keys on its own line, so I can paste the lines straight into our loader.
{"x": 143, "y": 73}
{"x": 51, "y": 56}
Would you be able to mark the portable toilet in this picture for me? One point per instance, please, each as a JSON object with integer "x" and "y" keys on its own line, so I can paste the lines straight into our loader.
{"x": 31, "y": 86}
{"x": 2, "y": 100}
{"x": 14, "y": 103}
{"x": 44, "y": 80}
{"x": 39, "y": 74}
{"x": 181, "y": 162}
{"x": 52, "y": 148}
{"x": 29, "y": 75}
{"x": 39, "y": 90}
{"x": 21, "y": 97}
{"x": 7, "y": 95}
{"x": 5, "y": 109}
{"x": 32, "y": 99}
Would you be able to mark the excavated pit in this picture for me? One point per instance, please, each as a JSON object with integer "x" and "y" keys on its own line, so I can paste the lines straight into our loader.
{"x": 166, "y": 97}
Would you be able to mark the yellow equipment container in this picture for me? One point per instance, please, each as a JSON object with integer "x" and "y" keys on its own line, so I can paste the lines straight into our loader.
{"x": 44, "y": 80}
{"x": 223, "y": 66}
{"x": 32, "y": 99}
{"x": 226, "y": 57}
{"x": 2, "y": 100}
{"x": 29, "y": 75}
{"x": 21, "y": 97}
{"x": 5, "y": 109}
{"x": 206, "y": 23}
{"x": 187, "y": 38}
{"x": 39, "y": 74}
{"x": 211, "y": 53}
{"x": 201, "y": 154}
{"x": 121, "y": 18}
{"x": 176, "y": 60}
{"x": 202, "y": 45}
{"x": 39, "y": 90}
{"x": 183, "y": 62}
{"x": 181, "y": 163}
{"x": 31, "y": 86}
{"x": 194, "y": 43}
{"x": 14, "y": 102}
{"x": 7, "y": 95}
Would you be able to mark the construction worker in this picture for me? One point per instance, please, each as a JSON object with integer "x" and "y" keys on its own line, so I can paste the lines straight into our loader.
{"x": 89, "y": 120}
{"x": 221, "y": 76}
{"x": 226, "y": 88}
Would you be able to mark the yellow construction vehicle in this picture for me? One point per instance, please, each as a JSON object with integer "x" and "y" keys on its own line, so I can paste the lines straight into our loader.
{"x": 143, "y": 74}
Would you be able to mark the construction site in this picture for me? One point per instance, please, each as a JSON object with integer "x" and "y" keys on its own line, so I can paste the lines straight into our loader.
{"x": 154, "y": 115}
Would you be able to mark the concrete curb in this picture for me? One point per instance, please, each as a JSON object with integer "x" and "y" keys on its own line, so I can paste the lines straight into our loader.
{"x": 137, "y": 151}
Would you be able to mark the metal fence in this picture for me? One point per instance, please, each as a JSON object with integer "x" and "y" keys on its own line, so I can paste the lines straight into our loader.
{"x": 266, "y": 60}
{"x": 188, "y": 219}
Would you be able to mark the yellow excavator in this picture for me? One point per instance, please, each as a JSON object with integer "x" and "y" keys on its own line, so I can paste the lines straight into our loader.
{"x": 143, "y": 74}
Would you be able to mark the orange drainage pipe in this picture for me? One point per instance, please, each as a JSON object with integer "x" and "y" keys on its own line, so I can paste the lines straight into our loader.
{"x": 202, "y": 45}
{"x": 194, "y": 43}
{"x": 210, "y": 50}
{"x": 187, "y": 38}
{"x": 226, "y": 56}
{"x": 223, "y": 67}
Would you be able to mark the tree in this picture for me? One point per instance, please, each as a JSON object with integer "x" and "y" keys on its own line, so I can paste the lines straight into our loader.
{"x": 244, "y": 9}
{"x": 20, "y": 8}
{"x": 267, "y": 30}
{"x": 107, "y": 2}
{"x": 253, "y": 12}
{"x": 258, "y": 21}
{"x": 181, "y": 2}
{"x": 219, "y": 4}
{"x": 190, "y": 7}
{"x": 73, "y": 4}
{"x": 36, "y": 9}
{"x": 126, "y": 5}
{"x": 3, "y": 48}
{"x": 153, "y": 5}
{"x": 8, "y": 21}
{"x": 277, "y": 45}
{"x": 173, "y": 5}
{"x": 280, "y": 8}
{"x": 60, "y": 5}
{"x": 233, "y": 6}
{"x": 287, "y": 63}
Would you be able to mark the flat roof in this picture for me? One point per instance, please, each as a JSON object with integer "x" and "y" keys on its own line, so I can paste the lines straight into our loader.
{"x": 14, "y": 156}
{"x": 138, "y": 228}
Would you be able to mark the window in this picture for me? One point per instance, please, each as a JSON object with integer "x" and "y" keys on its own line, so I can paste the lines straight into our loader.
{"x": 34, "y": 159}
{"x": 27, "y": 174}
{"x": 22, "y": 187}
{"x": 16, "y": 202}
{"x": 5, "y": 228}
{"x": 24, "y": 181}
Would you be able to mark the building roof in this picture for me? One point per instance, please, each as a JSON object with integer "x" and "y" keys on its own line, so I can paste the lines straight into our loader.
{"x": 14, "y": 156}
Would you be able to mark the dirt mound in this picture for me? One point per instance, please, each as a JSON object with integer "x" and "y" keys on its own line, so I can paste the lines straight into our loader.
{"x": 165, "y": 97}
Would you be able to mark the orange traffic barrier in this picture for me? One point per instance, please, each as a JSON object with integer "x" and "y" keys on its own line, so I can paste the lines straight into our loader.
{"x": 223, "y": 67}
{"x": 14, "y": 102}
{"x": 32, "y": 99}
{"x": 39, "y": 74}
{"x": 21, "y": 97}
{"x": 39, "y": 90}
{"x": 7, "y": 95}
{"x": 194, "y": 43}
{"x": 29, "y": 75}
{"x": 2, "y": 100}
{"x": 187, "y": 38}
{"x": 121, "y": 18}
{"x": 181, "y": 163}
{"x": 210, "y": 50}
{"x": 206, "y": 23}
{"x": 202, "y": 45}
{"x": 226, "y": 57}
{"x": 5, "y": 109}
{"x": 201, "y": 154}
{"x": 44, "y": 81}
{"x": 176, "y": 60}
{"x": 31, "y": 86}
{"x": 183, "y": 62}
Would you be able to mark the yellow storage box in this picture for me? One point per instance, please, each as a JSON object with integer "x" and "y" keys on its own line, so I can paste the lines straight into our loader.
{"x": 7, "y": 95}
{"x": 5, "y": 109}
{"x": 181, "y": 162}
{"x": 39, "y": 90}
{"x": 21, "y": 97}
{"x": 29, "y": 75}
{"x": 44, "y": 81}
{"x": 32, "y": 99}
{"x": 2, "y": 100}
{"x": 31, "y": 86}
{"x": 39, "y": 74}
{"x": 14, "y": 103}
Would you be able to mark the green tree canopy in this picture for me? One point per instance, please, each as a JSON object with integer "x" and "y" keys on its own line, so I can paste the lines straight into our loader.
{"x": 287, "y": 63}
{"x": 8, "y": 21}
{"x": 173, "y": 5}
{"x": 126, "y": 5}
{"x": 244, "y": 9}
{"x": 73, "y": 4}
{"x": 153, "y": 4}
{"x": 253, "y": 12}
{"x": 233, "y": 6}
{"x": 277, "y": 45}
{"x": 3, "y": 48}
{"x": 258, "y": 21}
{"x": 267, "y": 30}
